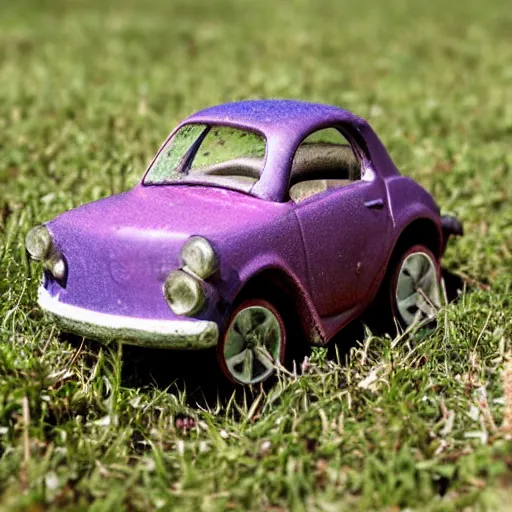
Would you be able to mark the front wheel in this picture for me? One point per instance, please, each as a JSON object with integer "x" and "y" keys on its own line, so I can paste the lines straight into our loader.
{"x": 254, "y": 340}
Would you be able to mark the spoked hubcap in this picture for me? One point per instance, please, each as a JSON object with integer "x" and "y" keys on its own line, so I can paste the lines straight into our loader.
{"x": 253, "y": 343}
{"x": 417, "y": 289}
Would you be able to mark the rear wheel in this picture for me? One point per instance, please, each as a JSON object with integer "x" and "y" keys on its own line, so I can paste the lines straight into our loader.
{"x": 254, "y": 340}
{"x": 415, "y": 286}
{"x": 410, "y": 292}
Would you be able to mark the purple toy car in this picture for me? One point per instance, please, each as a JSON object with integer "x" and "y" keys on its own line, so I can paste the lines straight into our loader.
{"x": 249, "y": 210}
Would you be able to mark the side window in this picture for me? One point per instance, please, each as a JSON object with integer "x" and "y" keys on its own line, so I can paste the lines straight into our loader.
{"x": 324, "y": 160}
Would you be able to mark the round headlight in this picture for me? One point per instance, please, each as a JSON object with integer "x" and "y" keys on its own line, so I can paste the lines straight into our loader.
{"x": 57, "y": 266}
{"x": 38, "y": 242}
{"x": 184, "y": 293}
{"x": 199, "y": 257}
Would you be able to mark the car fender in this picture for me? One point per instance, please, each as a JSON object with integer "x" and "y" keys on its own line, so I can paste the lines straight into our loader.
{"x": 410, "y": 203}
{"x": 272, "y": 269}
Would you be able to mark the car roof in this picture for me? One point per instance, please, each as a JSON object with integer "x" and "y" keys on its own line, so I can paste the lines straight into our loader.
{"x": 285, "y": 123}
{"x": 274, "y": 116}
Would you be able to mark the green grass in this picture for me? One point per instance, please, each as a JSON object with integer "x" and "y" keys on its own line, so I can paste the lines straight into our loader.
{"x": 88, "y": 91}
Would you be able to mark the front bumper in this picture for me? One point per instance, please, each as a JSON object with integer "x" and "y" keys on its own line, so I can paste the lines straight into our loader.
{"x": 175, "y": 334}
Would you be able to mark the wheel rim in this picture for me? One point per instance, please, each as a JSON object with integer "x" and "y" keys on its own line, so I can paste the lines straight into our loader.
{"x": 252, "y": 344}
{"x": 417, "y": 290}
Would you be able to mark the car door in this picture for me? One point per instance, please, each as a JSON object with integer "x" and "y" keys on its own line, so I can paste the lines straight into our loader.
{"x": 345, "y": 232}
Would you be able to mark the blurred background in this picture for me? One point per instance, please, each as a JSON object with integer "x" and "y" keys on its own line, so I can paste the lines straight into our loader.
{"x": 89, "y": 89}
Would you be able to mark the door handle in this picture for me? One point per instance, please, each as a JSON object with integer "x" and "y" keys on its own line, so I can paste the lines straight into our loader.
{"x": 375, "y": 204}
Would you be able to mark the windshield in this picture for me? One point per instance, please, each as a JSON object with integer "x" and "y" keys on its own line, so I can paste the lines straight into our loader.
{"x": 212, "y": 155}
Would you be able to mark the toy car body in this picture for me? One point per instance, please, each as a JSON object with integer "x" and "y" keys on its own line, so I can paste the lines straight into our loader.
{"x": 190, "y": 260}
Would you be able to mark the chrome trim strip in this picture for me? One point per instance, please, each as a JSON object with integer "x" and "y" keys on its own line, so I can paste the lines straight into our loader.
{"x": 177, "y": 334}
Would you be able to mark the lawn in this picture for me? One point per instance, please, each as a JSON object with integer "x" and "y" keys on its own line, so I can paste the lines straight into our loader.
{"x": 88, "y": 91}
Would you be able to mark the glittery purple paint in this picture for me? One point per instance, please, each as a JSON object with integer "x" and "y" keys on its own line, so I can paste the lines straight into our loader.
{"x": 331, "y": 249}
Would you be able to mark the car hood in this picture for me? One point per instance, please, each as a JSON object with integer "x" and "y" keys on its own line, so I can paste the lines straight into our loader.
{"x": 168, "y": 211}
{"x": 119, "y": 250}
